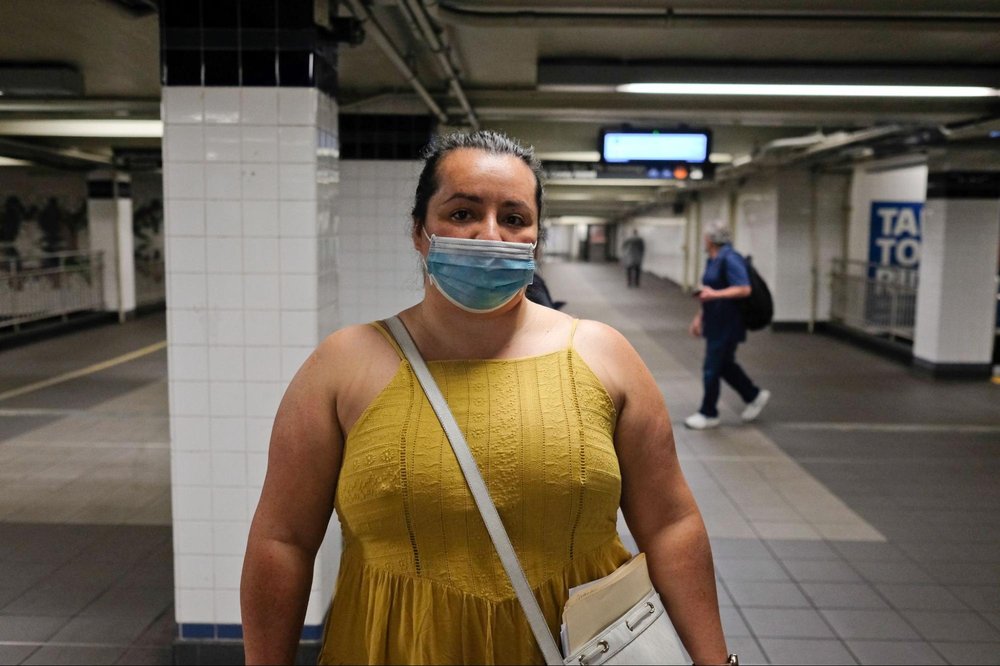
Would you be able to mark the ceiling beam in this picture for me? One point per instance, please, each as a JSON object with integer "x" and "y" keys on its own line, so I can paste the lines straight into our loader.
{"x": 57, "y": 158}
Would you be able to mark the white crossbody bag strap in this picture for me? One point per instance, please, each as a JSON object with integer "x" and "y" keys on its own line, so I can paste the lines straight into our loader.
{"x": 480, "y": 493}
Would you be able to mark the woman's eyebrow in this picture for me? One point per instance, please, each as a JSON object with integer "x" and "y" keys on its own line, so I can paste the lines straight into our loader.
{"x": 509, "y": 203}
{"x": 515, "y": 203}
{"x": 464, "y": 195}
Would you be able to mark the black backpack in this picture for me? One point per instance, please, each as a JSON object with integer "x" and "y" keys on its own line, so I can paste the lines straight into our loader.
{"x": 757, "y": 308}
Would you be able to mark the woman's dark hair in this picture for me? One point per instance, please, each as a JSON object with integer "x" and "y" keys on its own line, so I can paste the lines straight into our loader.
{"x": 495, "y": 143}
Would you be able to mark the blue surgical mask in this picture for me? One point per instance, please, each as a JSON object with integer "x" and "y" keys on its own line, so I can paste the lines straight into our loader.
{"x": 479, "y": 275}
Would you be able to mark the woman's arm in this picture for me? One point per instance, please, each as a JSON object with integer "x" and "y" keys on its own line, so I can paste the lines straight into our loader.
{"x": 736, "y": 291}
{"x": 656, "y": 501}
{"x": 293, "y": 512}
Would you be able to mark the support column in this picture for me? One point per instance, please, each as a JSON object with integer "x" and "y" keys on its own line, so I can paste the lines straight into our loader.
{"x": 956, "y": 299}
{"x": 250, "y": 173}
{"x": 109, "y": 218}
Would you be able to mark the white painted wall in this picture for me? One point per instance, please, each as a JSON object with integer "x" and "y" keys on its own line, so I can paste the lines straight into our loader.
{"x": 774, "y": 221}
{"x": 832, "y": 206}
{"x": 712, "y": 207}
{"x": 559, "y": 241}
{"x": 880, "y": 181}
{"x": 792, "y": 286}
{"x": 110, "y": 228}
{"x": 663, "y": 234}
{"x": 956, "y": 307}
{"x": 756, "y": 229}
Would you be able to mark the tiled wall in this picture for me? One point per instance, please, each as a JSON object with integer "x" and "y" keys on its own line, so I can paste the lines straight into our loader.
{"x": 250, "y": 183}
{"x": 379, "y": 269}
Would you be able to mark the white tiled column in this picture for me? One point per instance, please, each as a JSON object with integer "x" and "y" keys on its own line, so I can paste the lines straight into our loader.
{"x": 250, "y": 185}
{"x": 956, "y": 300}
{"x": 380, "y": 270}
{"x": 109, "y": 220}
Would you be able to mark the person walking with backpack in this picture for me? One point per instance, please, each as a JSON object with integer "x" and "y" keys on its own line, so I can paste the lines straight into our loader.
{"x": 720, "y": 321}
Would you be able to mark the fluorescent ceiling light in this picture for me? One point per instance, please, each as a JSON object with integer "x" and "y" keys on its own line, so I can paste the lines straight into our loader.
{"x": 806, "y": 90}
{"x": 570, "y": 156}
{"x": 145, "y": 129}
{"x": 577, "y": 219}
{"x": 10, "y": 161}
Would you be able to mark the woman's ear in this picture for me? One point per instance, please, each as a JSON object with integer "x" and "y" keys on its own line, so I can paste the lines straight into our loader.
{"x": 417, "y": 235}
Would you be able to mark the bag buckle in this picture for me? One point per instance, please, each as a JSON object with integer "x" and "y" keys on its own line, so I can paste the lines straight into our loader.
{"x": 638, "y": 618}
{"x": 600, "y": 648}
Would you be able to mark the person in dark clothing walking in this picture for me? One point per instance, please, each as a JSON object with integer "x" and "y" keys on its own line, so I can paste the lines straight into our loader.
{"x": 720, "y": 322}
{"x": 633, "y": 250}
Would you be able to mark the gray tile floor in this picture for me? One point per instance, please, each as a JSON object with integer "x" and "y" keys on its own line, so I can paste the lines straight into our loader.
{"x": 856, "y": 522}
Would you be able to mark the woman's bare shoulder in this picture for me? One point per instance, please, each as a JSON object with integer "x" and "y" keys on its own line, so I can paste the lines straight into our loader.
{"x": 352, "y": 338}
{"x": 349, "y": 350}
{"x": 601, "y": 337}
{"x": 610, "y": 356}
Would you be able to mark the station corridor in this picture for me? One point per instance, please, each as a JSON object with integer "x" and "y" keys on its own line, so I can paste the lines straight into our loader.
{"x": 857, "y": 521}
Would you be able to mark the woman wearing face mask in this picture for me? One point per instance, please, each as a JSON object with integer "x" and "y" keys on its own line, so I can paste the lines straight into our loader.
{"x": 563, "y": 418}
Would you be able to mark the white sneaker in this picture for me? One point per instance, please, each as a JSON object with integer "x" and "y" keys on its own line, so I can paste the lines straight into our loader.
{"x": 699, "y": 421}
{"x": 753, "y": 409}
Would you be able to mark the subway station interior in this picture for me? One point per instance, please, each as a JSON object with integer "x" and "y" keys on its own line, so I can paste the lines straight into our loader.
{"x": 195, "y": 193}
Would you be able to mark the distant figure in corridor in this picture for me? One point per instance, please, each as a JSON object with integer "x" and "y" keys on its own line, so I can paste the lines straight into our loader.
{"x": 633, "y": 250}
{"x": 720, "y": 322}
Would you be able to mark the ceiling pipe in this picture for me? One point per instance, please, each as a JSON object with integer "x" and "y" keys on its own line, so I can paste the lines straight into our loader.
{"x": 728, "y": 6}
{"x": 368, "y": 21}
{"x": 817, "y": 153}
{"x": 438, "y": 43}
{"x": 735, "y": 15}
{"x": 92, "y": 107}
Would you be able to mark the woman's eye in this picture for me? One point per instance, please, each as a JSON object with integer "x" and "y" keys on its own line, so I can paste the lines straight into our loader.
{"x": 461, "y": 215}
{"x": 517, "y": 220}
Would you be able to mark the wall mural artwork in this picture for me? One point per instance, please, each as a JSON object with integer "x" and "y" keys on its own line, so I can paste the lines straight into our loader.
{"x": 44, "y": 212}
{"x": 41, "y": 212}
{"x": 147, "y": 216}
{"x": 147, "y": 230}
{"x": 29, "y": 228}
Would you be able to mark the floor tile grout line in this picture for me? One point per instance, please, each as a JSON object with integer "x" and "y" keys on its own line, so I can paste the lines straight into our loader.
{"x": 784, "y": 568}
{"x": 743, "y": 618}
{"x": 132, "y": 566}
{"x": 897, "y": 611}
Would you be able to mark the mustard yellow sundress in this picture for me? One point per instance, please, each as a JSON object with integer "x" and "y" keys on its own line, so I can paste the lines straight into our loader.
{"x": 419, "y": 580}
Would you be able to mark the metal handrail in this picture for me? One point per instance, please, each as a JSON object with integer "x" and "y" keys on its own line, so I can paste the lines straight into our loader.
{"x": 32, "y": 288}
{"x": 875, "y": 299}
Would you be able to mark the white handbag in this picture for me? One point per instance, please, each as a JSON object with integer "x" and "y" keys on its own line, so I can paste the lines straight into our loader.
{"x": 618, "y": 619}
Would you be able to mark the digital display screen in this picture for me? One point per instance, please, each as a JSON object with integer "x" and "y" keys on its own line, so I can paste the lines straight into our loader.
{"x": 647, "y": 147}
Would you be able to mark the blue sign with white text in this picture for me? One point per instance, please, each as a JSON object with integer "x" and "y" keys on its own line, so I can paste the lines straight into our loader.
{"x": 895, "y": 237}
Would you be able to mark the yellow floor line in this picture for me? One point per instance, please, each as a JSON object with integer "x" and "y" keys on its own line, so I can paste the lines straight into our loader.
{"x": 90, "y": 369}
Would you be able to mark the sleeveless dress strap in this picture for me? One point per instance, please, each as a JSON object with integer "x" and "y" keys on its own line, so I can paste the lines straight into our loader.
{"x": 572, "y": 332}
{"x": 381, "y": 327}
